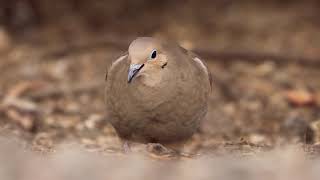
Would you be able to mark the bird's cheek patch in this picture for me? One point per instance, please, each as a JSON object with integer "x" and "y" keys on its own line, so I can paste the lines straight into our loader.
{"x": 163, "y": 60}
{"x": 155, "y": 63}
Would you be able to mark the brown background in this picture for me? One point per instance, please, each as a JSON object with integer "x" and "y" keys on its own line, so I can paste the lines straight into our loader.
{"x": 264, "y": 57}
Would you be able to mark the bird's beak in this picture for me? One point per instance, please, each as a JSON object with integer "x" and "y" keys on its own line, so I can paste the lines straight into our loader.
{"x": 133, "y": 71}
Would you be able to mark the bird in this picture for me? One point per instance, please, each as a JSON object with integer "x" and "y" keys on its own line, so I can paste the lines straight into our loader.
{"x": 157, "y": 92}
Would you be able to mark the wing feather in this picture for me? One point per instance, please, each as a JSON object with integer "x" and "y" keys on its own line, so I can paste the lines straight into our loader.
{"x": 116, "y": 63}
{"x": 201, "y": 64}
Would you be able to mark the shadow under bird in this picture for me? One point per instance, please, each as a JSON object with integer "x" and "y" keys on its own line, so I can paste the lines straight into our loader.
{"x": 157, "y": 92}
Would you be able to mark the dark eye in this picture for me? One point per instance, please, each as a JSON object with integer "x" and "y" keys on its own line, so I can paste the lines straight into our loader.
{"x": 153, "y": 54}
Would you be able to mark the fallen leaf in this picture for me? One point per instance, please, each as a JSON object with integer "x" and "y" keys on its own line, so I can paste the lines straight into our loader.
{"x": 26, "y": 121}
{"x": 300, "y": 97}
{"x": 22, "y": 87}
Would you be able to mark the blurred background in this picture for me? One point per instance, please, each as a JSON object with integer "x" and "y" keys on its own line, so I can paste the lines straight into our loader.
{"x": 264, "y": 57}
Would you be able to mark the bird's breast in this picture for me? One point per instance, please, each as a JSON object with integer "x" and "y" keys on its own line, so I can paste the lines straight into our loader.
{"x": 149, "y": 94}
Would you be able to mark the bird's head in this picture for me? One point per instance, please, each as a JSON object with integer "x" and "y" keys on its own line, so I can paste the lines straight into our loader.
{"x": 146, "y": 57}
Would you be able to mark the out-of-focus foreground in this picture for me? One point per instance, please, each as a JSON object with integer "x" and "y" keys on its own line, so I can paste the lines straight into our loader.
{"x": 264, "y": 57}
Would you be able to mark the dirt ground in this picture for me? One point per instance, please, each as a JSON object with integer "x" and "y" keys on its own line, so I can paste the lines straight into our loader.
{"x": 264, "y": 108}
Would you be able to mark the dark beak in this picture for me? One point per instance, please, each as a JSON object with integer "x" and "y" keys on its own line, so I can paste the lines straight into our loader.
{"x": 133, "y": 71}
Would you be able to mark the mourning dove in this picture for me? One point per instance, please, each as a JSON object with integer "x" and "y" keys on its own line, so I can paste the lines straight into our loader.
{"x": 157, "y": 92}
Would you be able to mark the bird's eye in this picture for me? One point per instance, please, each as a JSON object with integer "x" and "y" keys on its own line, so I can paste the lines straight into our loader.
{"x": 153, "y": 54}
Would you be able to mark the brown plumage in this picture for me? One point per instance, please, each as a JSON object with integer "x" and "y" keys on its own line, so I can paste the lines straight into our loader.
{"x": 157, "y": 92}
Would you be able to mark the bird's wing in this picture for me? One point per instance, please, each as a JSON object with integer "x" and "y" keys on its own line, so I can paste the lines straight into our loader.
{"x": 201, "y": 64}
{"x": 204, "y": 66}
{"x": 116, "y": 63}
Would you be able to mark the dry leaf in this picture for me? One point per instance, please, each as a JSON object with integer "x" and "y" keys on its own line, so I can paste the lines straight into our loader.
{"x": 300, "y": 97}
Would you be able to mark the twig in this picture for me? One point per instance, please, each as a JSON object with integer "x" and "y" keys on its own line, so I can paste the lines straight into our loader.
{"x": 255, "y": 57}
{"x": 108, "y": 41}
{"x": 249, "y": 56}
